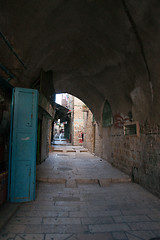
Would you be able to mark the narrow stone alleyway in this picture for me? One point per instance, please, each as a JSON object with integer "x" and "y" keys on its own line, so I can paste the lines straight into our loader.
{"x": 82, "y": 197}
{"x": 74, "y": 165}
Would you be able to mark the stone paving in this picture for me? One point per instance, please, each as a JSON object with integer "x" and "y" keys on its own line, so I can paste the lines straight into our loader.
{"x": 117, "y": 211}
{"x": 74, "y": 165}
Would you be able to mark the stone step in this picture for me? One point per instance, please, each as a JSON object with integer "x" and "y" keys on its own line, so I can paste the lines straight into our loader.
{"x": 51, "y": 180}
{"x": 67, "y": 150}
{"x": 74, "y": 182}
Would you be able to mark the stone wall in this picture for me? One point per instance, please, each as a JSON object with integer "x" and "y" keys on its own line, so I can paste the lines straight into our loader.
{"x": 147, "y": 173}
{"x": 137, "y": 156}
{"x": 50, "y": 131}
{"x": 45, "y": 144}
{"x": 46, "y": 114}
{"x": 93, "y": 135}
{"x": 88, "y": 131}
{"x": 78, "y": 121}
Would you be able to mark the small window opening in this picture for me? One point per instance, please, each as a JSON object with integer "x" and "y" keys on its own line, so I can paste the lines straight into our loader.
{"x": 132, "y": 129}
{"x": 107, "y": 117}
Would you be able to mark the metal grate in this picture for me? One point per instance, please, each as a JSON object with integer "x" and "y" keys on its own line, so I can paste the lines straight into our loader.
{"x": 131, "y": 129}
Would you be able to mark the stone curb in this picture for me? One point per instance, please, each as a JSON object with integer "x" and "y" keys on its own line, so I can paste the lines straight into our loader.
{"x": 107, "y": 182}
{"x": 73, "y": 182}
{"x": 57, "y": 150}
{"x": 52, "y": 180}
{"x": 86, "y": 181}
{"x": 68, "y": 151}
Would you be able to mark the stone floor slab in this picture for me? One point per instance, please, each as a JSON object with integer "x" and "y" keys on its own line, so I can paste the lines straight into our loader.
{"x": 14, "y": 228}
{"x": 144, "y": 226}
{"x": 26, "y": 220}
{"x": 30, "y": 237}
{"x": 141, "y": 234}
{"x": 127, "y": 219}
{"x": 64, "y": 221}
{"x": 119, "y": 236}
{"x": 96, "y": 236}
{"x": 7, "y": 236}
{"x": 120, "y": 211}
{"x": 103, "y": 213}
{"x": 57, "y": 236}
{"x": 57, "y": 229}
{"x": 97, "y": 220}
{"x": 83, "y": 167}
{"x": 108, "y": 227}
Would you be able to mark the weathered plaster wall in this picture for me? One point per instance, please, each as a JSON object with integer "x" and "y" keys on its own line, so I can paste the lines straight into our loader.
{"x": 49, "y": 131}
{"x": 46, "y": 106}
{"x": 137, "y": 156}
{"x": 93, "y": 135}
{"x": 46, "y": 114}
{"x": 45, "y": 143}
{"x": 98, "y": 141}
{"x": 88, "y": 131}
{"x": 78, "y": 121}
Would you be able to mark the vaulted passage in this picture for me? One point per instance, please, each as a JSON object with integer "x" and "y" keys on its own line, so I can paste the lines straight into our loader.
{"x": 105, "y": 52}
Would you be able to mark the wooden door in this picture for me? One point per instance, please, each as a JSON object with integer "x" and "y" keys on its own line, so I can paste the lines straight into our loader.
{"x": 23, "y": 144}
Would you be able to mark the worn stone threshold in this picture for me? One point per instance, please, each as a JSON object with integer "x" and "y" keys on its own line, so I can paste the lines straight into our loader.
{"x": 74, "y": 182}
{"x": 68, "y": 151}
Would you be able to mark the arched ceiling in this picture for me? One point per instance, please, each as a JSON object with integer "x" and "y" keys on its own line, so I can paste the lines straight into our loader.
{"x": 97, "y": 49}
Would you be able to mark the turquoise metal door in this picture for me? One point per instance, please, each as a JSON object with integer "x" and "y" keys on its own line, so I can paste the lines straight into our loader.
{"x": 23, "y": 142}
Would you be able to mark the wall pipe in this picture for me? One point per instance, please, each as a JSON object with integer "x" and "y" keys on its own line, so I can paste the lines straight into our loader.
{"x": 11, "y": 48}
{"x": 11, "y": 75}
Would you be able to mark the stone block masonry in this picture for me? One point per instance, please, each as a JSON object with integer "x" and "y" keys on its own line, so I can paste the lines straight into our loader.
{"x": 78, "y": 122}
{"x": 89, "y": 133}
{"x": 137, "y": 156}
